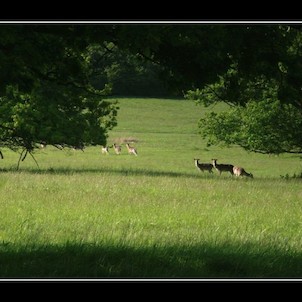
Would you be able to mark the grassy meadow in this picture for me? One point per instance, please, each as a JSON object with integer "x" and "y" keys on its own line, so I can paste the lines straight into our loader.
{"x": 92, "y": 215}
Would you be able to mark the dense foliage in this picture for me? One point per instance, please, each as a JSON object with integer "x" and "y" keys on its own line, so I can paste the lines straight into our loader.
{"x": 55, "y": 78}
{"x": 263, "y": 87}
{"x": 45, "y": 91}
{"x": 253, "y": 68}
{"x": 128, "y": 73}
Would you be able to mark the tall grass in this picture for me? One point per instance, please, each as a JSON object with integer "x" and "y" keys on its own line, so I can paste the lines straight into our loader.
{"x": 91, "y": 215}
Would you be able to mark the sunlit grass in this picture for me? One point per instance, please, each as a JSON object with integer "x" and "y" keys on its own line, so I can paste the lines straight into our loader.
{"x": 86, "y": 214}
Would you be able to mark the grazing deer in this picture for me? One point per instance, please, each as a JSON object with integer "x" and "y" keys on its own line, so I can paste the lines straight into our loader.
{"x": 79, "y": 147}
{"x": 131, "y": 150}
{"x": 105, "y": 150}
{"x": 42, "y": 145}
{"x": 203, "y": 166}
{"x": 239, "y": 171}
{"x": 222, "y": 167}
{"x": 117, "y": 148}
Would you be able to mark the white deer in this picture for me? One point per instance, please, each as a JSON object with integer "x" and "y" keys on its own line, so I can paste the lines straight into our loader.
{"x": 131, "y": 150}
{"x": 239, "y": 171}
{"x": 105, "y": 150}
{"x": 117, "y": 148}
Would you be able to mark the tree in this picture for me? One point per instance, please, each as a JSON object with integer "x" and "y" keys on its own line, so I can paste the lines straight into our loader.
{"x": 262, "y": 87}
{"x": 190, "y": 55}
{"x": 250, "y": 67}
{"x": 128, "y": 73}
{"x": 46, "y": 93}
{"x": 48, "y": 78}
{"x": 261, "y": 126}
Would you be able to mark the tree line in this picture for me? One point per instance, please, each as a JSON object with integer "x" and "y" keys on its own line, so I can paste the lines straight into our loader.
{"x": 56, "y": 78}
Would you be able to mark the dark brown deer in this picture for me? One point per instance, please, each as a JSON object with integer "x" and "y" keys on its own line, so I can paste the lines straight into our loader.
{"x": 222, "y": 167}
{"x": 203, "y": 166}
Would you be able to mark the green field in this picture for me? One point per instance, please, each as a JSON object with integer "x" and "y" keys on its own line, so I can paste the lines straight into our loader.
{"x": 91, "y": 215}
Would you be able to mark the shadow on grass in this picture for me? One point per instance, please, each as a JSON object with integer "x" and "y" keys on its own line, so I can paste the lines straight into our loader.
{"x": 123, "y": 171}
{"x": 120, "y": 261}
{"x": 138, "y": 172}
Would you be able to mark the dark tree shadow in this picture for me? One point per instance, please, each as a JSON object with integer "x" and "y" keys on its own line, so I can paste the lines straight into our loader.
{"x": 120, "y": 261}
{"x": 123, "y": 171}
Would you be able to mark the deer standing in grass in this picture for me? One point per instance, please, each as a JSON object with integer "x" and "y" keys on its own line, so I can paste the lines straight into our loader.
{"x": 79, "y": 147}
{"x": 203, "y": 166}
{"x": 117, "y": 148}
{"x": 131, "y": 150}
{"x": 239, "y": 171}
{"x": 222, "y": 167}
{"x": 105, "y": 150}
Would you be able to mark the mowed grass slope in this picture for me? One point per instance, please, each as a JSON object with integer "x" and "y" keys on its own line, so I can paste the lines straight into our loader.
{"x": 91, "y": 215}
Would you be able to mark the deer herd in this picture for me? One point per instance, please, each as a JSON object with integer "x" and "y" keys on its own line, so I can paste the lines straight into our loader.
{"x": 234, "y": 170}
{"x": 118, "y": 149}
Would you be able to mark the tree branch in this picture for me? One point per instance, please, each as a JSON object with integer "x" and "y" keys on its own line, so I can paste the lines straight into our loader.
{"x": 20, "y": 159}
{"x": 52, "y": 79}
{"x": 30, "y": 153}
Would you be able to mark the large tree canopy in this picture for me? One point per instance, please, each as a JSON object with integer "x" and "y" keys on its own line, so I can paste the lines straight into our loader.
{"x": 263, "y": 85}
{"x": 45, "y": 89}
{"x": 253, "y": 68}
{"x": 49, "y": 89}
